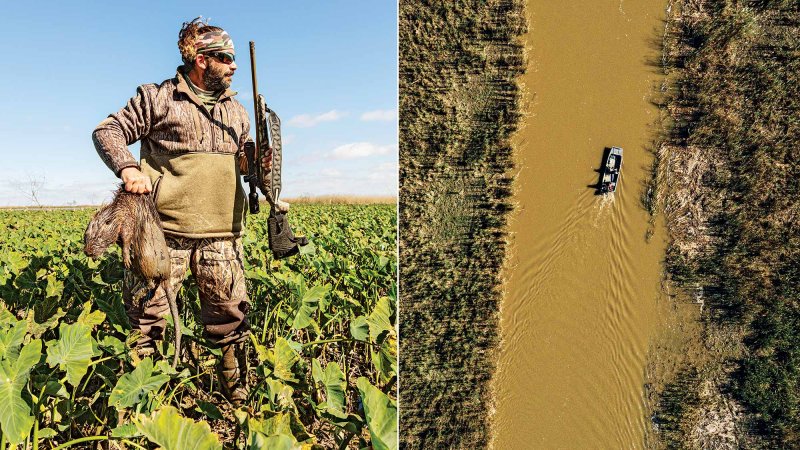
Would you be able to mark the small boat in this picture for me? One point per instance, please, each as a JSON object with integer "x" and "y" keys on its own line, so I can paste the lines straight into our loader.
{"x": 609, "y": 178}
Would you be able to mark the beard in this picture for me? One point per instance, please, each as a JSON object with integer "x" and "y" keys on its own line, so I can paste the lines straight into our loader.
{"x": 217, "y": 77}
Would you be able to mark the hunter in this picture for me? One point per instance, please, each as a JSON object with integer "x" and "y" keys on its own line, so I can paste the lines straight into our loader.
{"x": 192, "y": 132}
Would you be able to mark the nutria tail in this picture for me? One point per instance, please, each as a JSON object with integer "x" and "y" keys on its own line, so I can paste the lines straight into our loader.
{"x": 176, "y": 320}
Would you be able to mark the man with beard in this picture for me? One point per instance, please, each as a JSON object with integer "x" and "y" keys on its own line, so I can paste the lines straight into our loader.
{"x": 192, "y": 134}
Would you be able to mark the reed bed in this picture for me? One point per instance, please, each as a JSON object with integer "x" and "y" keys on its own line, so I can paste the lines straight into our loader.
{"x": 727, "y": 179}
{"x": 459, "y": 105}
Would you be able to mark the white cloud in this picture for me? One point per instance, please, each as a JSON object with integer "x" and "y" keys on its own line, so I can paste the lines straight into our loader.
{"x": 308, "y": 120}
{"x": 388, "y": 166}
{"x": 385, "y": 115}
{"x": 384, "y": 171}
{"x": 328, "y": 172}
{"x": 361, "y": 150}
{"x": 356, "y": 183}
{"x": 375, "y": 176}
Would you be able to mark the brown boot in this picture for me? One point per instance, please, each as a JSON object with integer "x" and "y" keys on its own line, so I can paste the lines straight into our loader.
{"x": 230, "y": 376}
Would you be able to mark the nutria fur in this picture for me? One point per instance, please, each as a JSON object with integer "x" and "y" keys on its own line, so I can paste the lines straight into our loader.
{"x": 132, "y": 221}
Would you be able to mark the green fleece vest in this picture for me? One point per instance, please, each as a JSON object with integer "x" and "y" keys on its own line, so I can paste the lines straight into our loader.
{"x": 197, "y": 194}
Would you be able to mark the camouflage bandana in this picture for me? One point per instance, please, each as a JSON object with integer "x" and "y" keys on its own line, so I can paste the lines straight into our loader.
{"x": 213, "y": 41}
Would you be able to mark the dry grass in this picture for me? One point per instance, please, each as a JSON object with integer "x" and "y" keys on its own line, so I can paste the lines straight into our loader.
{"x": 344, "y": 200}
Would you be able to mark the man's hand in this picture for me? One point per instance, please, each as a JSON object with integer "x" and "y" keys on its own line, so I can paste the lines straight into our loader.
{"x": 266, "y": 162}
{"x": 135, "y": 181}
{"x": 282, "y": 206}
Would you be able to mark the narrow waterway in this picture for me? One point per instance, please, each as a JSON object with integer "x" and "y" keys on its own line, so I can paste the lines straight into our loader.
{"x": 583, "y": 282}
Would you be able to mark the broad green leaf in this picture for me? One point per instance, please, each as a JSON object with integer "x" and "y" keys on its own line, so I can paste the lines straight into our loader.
{"x": 359, "y": 328}
{"x": 17, "y": 261}
{"x": 170, "y": 431}
{"x": 132, "y": 387}
{"x": 381, "y": 414}
{"x": 382, "y": 261}
{"x": 281, "y": 424}
{"x": 332, "y": 379}
{"x": 91, "y": 318}
{"x": 47, "y": 433}
{"x": 55, "y": 389}
{"x": 28, "y": 356}
{"x": 6, "y": 316}
{"x": 91, "y": 263}
{"x": 38, "y": 329}
{"x": 72, "y": 352}
{"x": 15, "y": 414}
{"x": 241, "y": 416}
{"x": 209, "y": 409}
{"x": 284, "y": 359}
{"x": 261, "y": 351}
{"x": 55, "y": 287}
{"x": 308, "y": 305}
{"x": 259, "y": 441}
{"x": 115, "y": 311}
{"x": 385, "y": 359}
{"x": 349, "y": 422}
{"x": 11, "y": 338}
{"x": 165, "y": 367}
{"x": 378, "y": 319}
{"x": 280, "y": 395}
{"x": 127, "y": 430}
{"x": 316, "y": 371}
{"x": 308, "y": 249}
{"x": 112, "y": 344}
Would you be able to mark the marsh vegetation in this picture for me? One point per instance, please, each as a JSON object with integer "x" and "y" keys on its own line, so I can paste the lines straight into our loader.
{"x": 728, "y": 181}
{"x": 458, "y": 107}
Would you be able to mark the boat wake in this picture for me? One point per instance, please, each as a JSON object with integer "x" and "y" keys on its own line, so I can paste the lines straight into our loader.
{"x": 604, "y": 207}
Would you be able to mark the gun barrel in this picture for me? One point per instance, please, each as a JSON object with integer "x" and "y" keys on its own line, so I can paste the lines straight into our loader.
{"x": 255, "y": 89}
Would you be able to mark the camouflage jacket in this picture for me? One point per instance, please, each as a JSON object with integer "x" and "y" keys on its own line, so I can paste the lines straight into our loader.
{"x": 189, "y": 153}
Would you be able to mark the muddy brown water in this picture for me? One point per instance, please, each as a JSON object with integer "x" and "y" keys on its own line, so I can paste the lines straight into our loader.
{"x": 582, "y": 299}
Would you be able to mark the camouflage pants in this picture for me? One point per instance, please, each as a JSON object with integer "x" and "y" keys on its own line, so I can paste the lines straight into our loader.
{"x": 216, "y": 264}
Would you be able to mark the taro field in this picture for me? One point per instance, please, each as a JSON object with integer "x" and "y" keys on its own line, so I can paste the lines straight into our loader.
{"x": 321, "y": 362}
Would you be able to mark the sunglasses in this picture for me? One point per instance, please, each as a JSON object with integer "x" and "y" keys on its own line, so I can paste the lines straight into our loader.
{"x": 225, "y": 58}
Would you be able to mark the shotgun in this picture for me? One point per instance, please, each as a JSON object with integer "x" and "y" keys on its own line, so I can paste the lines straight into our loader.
{"x": 282, "y": 241}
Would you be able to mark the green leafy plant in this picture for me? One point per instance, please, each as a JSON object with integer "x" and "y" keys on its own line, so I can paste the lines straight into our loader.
{"x": 68, "y": 375}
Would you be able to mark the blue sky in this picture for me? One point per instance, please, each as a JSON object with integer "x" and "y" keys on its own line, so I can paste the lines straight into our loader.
{"x": 329, "y": 69}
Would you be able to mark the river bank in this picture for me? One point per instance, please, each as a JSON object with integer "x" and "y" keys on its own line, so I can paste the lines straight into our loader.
{"x": 459, "y": 105}
{"x": 726, "y": 179}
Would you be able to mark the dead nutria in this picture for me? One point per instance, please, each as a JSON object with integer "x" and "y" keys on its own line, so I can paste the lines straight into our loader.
{"x": 132, "y": 221}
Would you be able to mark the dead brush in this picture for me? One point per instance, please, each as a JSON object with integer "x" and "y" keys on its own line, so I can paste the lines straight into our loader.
{"x": 132, "y": 222}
